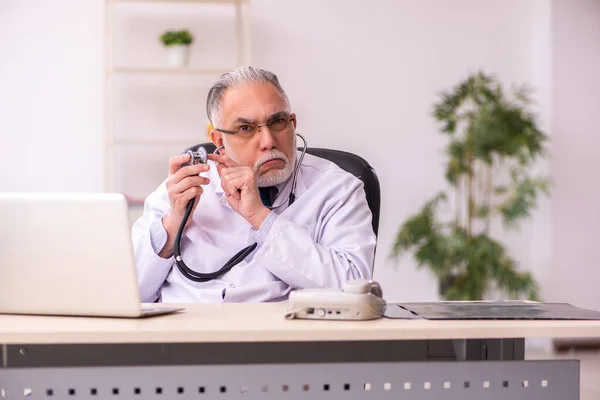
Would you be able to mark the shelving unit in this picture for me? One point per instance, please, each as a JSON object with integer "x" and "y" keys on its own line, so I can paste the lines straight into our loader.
{"x": 159, "y": 91}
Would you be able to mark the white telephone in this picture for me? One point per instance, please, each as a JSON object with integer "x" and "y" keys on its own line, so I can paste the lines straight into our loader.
{"x": 359, "y": 299}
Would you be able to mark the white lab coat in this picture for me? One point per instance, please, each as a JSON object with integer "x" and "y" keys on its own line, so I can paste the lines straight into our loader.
{"x": 323, "y": 239}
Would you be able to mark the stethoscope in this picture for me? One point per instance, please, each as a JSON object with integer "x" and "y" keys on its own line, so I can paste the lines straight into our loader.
{"x": 242, "y": 254}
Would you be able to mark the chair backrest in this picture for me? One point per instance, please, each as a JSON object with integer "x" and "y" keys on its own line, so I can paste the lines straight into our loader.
{"x": 349, "y": 162}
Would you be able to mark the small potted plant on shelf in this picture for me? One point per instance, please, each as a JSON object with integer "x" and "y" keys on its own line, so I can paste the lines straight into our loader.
{"x": 178, "y": 45}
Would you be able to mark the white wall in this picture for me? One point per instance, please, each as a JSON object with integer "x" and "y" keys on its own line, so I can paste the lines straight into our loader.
{"x": 576, "y": 162}
{"x": 362, "y": 76}
{"x": 51, "y": 98}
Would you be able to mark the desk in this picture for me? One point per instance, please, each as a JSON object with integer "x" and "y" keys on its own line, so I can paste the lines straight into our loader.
{"x": 251, "y": 351}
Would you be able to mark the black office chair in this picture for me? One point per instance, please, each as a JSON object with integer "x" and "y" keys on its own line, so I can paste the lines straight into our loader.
{"x": 349, "y": 162}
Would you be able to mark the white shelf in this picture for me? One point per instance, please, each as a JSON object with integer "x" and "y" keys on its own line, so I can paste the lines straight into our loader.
{"x": 168, "y": 71}
{"x": 123, "y": 172}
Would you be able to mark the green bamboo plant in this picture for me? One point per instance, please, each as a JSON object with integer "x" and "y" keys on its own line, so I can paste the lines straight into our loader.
{"x": 493, "y": 147}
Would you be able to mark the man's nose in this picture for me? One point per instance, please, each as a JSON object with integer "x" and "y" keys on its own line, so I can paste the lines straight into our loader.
{"x": 267, "y": 140}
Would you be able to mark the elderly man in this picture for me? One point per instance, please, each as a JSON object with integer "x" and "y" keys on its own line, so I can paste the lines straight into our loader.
{"x": 303, "y": 222}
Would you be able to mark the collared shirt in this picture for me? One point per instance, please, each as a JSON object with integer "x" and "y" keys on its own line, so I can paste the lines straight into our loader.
{"x": 322, "y": 240}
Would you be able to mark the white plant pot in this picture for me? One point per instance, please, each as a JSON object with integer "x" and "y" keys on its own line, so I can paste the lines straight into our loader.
{"x": 178, "y": 55}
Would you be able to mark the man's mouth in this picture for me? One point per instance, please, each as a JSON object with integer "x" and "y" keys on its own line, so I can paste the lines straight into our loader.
{"x": 272, "y": 163}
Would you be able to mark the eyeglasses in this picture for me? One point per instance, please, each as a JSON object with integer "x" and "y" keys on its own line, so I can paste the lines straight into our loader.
{"x": 247, "y": 131}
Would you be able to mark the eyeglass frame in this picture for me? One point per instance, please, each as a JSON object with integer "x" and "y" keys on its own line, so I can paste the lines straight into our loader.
{"x": 292, "y": 117}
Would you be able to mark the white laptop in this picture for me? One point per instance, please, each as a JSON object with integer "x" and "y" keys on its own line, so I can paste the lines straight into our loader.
{"x": 68, "y": 254}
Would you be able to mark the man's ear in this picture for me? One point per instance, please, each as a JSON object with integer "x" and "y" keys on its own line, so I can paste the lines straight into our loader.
{"x": 216, "y": 137}
{"x": 295, "y": 120}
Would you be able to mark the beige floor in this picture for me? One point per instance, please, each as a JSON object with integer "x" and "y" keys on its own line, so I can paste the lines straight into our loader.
{"x": 590, "y": 369}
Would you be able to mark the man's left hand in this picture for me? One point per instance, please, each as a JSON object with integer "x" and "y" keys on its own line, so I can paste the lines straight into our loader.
{"x": 238, "y": 183}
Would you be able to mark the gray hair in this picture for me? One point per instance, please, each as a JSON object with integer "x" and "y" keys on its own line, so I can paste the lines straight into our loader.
{"x": 240, "y": 76}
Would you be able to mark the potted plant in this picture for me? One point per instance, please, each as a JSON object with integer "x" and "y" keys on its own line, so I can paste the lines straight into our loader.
{"x": 493, "y": 146}
{"x": 177, "y": 44}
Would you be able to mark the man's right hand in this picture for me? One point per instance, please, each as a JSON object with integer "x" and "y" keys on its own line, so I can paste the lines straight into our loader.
{"x": 183, "y": 184}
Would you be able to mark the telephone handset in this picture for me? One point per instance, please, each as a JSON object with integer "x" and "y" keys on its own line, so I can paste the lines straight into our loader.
{"x": 359, "y": 299}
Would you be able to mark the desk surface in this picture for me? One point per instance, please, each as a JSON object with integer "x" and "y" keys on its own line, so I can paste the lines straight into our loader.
{"x": 265, "y": 322}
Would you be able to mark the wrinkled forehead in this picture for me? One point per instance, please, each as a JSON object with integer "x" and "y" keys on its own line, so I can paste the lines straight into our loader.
{"x": 252, "y": 102}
